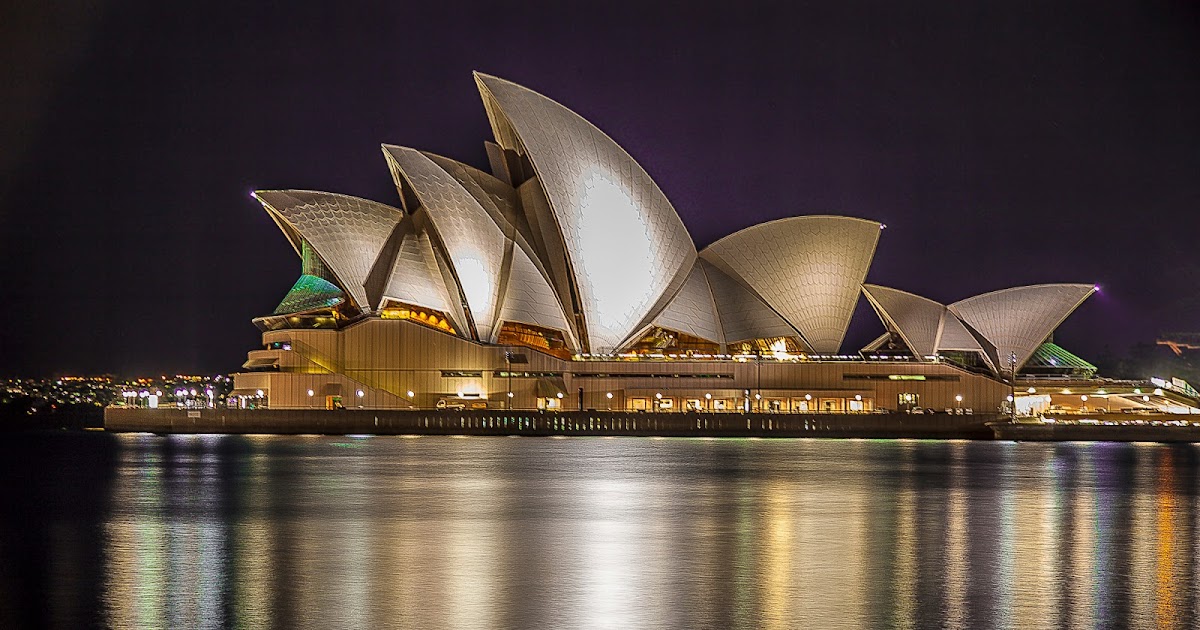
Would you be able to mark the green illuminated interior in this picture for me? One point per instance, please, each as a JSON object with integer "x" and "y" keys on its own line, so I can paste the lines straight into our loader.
{"x": 311, "y": 264}
{"x": 310, "y": 293}
{"x": 1051, "y": 357}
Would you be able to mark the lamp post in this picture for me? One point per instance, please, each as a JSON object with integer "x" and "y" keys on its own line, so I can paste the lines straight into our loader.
{"x": 758, "y": 377}
{"x": 1012, "y": 385}
{"x": 508, "y": 368}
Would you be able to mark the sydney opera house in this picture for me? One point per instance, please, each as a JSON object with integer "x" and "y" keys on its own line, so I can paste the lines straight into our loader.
{"x": 564, "y": 278}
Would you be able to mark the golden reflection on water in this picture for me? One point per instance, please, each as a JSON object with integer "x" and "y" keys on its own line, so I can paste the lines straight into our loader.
{"x": 1034, "y": 539}
{"x": 632, "y": 533}
{"x": 1172, "y": 545}
{"x": 956, "y": 542}
{"x": 254, "y": 553}
{"x": 1083, "y": 573}
{"x": 1145, "y": 534}
{"x": 905, "y": 551}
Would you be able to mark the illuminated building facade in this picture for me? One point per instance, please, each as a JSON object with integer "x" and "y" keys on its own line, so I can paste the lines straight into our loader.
{"x": 564, "y": 278}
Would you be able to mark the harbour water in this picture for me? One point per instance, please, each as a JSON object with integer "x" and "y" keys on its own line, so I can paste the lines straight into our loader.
{"x": 144, "y": 531}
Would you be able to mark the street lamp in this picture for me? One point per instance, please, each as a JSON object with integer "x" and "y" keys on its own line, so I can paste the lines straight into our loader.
{"x": 508, "y": 371}
{"x": 1012, "y": 385}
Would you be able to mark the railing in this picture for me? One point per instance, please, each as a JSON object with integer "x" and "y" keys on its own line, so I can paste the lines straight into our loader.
{"x": 532, "y": 423}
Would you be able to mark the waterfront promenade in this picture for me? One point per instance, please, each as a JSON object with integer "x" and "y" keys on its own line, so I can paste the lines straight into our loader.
{"x": 525, "y": 422}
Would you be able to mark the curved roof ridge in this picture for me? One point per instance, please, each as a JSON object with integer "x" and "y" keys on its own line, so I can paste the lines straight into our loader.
{"x": 1017, "y": 320}
{"x": 809, "y": 269}
{"x": 598, "y": 195}
{"x": 792, "y": 218}
{"x": 916, "y": 318}
{"x": 1028, "y": 286}
{"x": 473, "y": 242}
{"x": 345, "y": 231}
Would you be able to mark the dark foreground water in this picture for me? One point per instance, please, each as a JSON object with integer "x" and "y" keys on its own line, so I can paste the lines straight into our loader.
{"x": 141, "y": 531}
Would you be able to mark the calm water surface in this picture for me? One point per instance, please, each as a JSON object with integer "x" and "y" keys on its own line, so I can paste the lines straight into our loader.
{"x": 142, "y": 531}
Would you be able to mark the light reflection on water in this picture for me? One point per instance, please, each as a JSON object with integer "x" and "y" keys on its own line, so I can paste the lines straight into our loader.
{"x": 319, "y": 532}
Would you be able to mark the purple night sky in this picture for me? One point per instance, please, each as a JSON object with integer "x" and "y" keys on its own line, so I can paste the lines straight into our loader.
{"x": 1002, "y": 144}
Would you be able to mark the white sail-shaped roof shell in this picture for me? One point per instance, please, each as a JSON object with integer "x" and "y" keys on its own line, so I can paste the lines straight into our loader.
{"x": 808, "y": 269}
{"x": 916, "y": 319}
{"x": 743, "y": 315}
{"x": 926, "y": 326}
{"x": 692, "y": 310}
{"x": 528, "y": 297}
{"x": 1016, "y": 321}
{"x": 955, "y": 336}
{"x": 473, "y": 242}
{"x": 415, "y": 277}
{"x": 346, "y": 232}
{"x": 625, "y": 245}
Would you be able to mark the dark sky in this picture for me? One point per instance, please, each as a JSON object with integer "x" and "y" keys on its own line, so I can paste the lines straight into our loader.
{"x": 1003, "y": 143}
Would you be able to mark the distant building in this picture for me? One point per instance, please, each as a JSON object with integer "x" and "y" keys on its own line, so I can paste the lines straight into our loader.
{"x": 565, "y": 279}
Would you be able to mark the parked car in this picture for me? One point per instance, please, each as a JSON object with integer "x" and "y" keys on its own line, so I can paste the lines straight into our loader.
{"x": 451, "y": 404}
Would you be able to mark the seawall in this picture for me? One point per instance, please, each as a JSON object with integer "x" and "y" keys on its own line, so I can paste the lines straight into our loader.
{"x": 1071, "y": 432}
{"x": 501, "y": 422}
